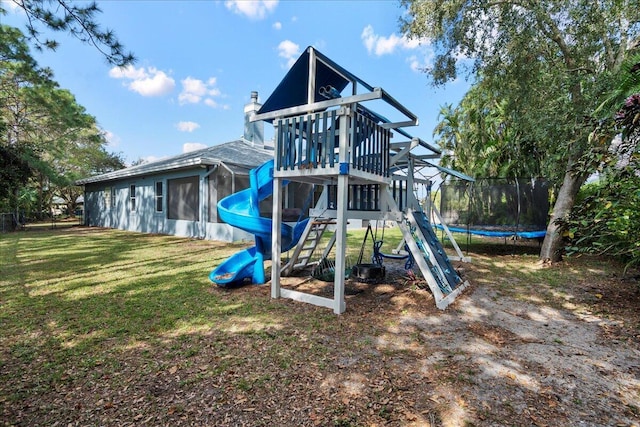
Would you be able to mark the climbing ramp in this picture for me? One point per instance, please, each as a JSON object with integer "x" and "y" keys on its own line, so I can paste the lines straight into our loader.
{"x": 430, "y": 257}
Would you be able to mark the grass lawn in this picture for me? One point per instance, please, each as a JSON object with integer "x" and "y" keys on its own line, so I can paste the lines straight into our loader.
{"x": 105, "y": 327}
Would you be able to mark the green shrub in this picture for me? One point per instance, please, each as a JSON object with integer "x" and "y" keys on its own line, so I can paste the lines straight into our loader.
{"x": 606, "y": 219}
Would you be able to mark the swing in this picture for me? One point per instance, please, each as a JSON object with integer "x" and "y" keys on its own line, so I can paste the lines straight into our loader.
{"x": 374, "y": 270}
{"x": 379, "y": 256}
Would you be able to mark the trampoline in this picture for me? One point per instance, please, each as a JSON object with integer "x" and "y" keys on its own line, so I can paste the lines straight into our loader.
{"x": 495, "y": 233}
{"x": 496, "y": 207}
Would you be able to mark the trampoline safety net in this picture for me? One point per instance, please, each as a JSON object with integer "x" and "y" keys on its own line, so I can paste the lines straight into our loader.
{"x": 497, "y": 204}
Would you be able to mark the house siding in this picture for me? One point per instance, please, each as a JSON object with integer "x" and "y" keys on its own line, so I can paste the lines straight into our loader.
{"x": 115, "y": 211}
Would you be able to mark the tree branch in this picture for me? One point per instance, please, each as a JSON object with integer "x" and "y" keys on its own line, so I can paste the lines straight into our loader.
{"x": 77, "y": 21}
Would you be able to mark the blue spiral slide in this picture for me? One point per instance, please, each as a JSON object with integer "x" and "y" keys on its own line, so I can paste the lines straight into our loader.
{"x": 242, "y": 210}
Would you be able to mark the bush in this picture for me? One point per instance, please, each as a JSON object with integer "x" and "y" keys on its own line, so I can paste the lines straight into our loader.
{"x": 606, "y": 219}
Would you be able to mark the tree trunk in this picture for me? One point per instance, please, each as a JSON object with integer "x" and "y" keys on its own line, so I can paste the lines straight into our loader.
{"x": 41, "y": 197}
{"x": 552, "y": 246}
{"x": 71, "y": 207}
{"x": 17, "y": 207}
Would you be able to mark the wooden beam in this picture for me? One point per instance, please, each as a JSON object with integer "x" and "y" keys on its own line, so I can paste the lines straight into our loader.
{"x": 319, "y": 106}
{"x": 276, "y": 238}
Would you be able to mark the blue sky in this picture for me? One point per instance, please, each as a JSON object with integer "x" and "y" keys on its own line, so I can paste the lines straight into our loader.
{"x": 198, "y": 61}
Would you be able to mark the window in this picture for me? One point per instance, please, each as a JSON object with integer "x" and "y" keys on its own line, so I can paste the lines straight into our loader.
{"x": 183, "y": 198}
{"x": 113, "y": 197}
{"x": 159, "y": 196}
{"x": 107, "y": 196}
{"x": 132, "y": 197}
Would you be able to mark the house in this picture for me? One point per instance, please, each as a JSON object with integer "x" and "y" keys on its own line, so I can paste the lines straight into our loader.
{"x": 179, "y": 195}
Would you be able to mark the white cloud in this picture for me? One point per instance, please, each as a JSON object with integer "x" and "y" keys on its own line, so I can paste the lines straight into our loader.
{"x": 187, "y": 126}
{"x": 159, "y": 84}
{"x": 255, "y": 9}
{"x": 277, "y": 25}
{"x": 128, "y": 72}
{"x": 192, "y": 146}
{"x": 113, "y": 140}
{"x": 381, "y": 45}
{"x": 210, "y": 102}
{"x": 145, "y": 81}
{"x": 414, "y": 63}
{"x": 420, "y": 64}
{"x": 195, "y": 91}
{"x": 289, "y": 51}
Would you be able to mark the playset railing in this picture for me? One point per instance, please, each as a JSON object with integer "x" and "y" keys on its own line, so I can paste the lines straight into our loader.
{"x": 369, "y": 145}
{"x": 366, "y": 197}
{"x": 313, "y": 141}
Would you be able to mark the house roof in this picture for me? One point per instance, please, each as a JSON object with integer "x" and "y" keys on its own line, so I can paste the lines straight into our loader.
{"x": 239, "y": 153}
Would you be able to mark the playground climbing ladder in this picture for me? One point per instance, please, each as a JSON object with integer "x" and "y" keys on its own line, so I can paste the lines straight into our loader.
{"x": 310, "y": 237}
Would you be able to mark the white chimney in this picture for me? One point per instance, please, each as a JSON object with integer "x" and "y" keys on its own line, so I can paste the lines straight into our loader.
{"x": 253, "y": 131}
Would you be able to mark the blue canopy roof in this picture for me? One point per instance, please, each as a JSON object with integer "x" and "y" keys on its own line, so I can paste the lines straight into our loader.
{"x": 292, "y": 90}
{"x": 452, "y": 172}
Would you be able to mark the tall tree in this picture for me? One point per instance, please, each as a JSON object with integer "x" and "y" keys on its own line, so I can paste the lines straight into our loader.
{"x": 481, "y": 137}
{"x": 47, "y": 138}
{"x": 18, "y": 70}
{"x": 607, "y": 220}
{"x": 15, "y": 172}
{"x": 552, "y": 59}
{"x": 75, "y": 18}
{"x": 84, "y": 156}
{"x": 448, "y": 133}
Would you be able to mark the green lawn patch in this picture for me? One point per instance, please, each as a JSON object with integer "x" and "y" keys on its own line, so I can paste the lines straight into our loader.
{"x": 106, "y": 327}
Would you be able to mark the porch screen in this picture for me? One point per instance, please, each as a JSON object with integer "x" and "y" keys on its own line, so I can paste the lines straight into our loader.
{"x": 183, "y": 198}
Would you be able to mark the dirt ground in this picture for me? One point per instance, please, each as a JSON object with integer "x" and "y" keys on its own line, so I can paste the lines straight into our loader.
{"x": 508, "y": 352}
